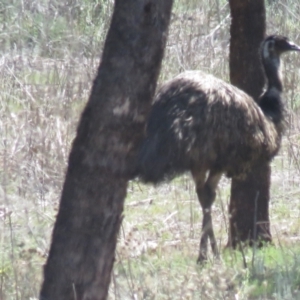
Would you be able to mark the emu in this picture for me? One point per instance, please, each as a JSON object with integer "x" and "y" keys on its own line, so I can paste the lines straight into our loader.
{"x": 201, "y": 124}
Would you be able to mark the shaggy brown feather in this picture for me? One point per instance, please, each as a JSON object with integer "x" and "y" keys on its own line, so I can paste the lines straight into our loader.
{"x": 213, "y": 125}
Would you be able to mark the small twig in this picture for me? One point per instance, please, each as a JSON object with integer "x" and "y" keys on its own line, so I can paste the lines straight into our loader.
{"x": 255, "y": 227}
{"x": 241, "y": 248}
{"x": 142, "y": 202}
{"x": 74, "y": 291}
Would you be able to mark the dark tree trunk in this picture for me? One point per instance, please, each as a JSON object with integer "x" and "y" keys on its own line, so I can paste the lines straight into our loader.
{"x": 249, "y": 202}
{"x": 103, "y": 154}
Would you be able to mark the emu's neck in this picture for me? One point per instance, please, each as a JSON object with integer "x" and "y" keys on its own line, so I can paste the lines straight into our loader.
{"x": 272, "y": 71}
{"x": 271, "y": 102}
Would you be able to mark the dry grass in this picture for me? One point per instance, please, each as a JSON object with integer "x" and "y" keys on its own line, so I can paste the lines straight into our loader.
{"x": 49, "y": 54}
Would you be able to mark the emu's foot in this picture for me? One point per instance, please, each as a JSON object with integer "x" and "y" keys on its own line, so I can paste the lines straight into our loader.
{"x": 202, "y": 258}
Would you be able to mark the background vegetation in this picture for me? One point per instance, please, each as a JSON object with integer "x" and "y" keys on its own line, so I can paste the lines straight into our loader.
{"x": 49, "y": 52}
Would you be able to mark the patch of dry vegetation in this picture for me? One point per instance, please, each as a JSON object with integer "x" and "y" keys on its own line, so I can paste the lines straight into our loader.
{"x": 49, "y": 54}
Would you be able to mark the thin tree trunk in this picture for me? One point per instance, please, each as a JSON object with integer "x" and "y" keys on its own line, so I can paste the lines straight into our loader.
{"x": 103, "y": 154}
{"x": 249, "y": 202}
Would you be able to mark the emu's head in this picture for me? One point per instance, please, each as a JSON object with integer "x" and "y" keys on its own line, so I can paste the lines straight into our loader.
{"x": 271, "y": 49}
{"x": 274, "y": 45}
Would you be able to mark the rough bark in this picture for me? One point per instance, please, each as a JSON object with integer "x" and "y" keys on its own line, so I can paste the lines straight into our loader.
{"x": 249, "y": 202}
{"x": 102, "y": 157}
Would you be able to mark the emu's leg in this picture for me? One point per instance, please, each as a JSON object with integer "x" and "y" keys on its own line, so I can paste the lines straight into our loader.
{"x": 206, "y": 191}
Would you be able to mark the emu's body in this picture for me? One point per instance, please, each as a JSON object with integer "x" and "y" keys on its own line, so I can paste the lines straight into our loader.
{"x": 202, "y": 124}
{"x": 200, "y": 121}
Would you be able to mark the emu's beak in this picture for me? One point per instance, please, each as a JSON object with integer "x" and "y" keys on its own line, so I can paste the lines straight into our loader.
{"x": 294, "y": 47}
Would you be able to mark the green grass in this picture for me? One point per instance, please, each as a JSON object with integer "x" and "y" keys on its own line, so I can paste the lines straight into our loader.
{"x": 273, "y": 273}
{"x": 49, "y": 56}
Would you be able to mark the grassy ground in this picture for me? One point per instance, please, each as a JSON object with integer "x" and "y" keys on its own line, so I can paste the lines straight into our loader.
{"x": 49, "y": 54}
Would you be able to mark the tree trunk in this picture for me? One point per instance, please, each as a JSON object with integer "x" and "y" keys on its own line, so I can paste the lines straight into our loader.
{"x": 249, "y": 202}
{"x": 103, "y": 155}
